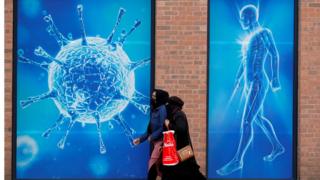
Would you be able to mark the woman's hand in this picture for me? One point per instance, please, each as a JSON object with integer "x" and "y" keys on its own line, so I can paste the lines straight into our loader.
{"x": 166, "y": 123}
{"x": 136, "y": 141}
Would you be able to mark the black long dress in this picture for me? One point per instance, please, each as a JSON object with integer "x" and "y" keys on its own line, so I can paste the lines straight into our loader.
{"x": 189, "y": 169}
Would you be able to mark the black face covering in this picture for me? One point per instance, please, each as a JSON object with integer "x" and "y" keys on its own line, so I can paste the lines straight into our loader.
{"x": 170, "y": 109}
{"x": 174, "y": 104}
{"x": 162, "y": 97}
{"x": 153, "y": 103}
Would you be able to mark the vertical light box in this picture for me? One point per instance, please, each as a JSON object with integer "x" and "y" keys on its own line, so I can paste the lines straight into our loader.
{"x": 252, "y": 95}
{"x": 83, "y": 72}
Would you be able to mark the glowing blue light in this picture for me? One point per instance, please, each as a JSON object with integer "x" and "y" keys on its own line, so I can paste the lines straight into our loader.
{"x": 98, "y": 166}
{"x": 27, "y": 149}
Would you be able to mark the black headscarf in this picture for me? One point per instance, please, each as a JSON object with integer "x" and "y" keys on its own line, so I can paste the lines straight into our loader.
{"x": 174, "y": 104}
{"x": 162, "y": 97}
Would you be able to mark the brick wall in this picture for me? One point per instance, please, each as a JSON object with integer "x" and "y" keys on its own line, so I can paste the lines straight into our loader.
{"x": 309, "y": 90}
{"x": 8, "y": 86}
{"x": 181, "y": 68}
{"x": 181, "y": 61}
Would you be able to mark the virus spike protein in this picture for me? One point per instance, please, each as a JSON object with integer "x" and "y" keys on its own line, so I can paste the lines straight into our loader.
{"x": 125, "y": 35}
{"x": 22, "y": 59}
{"x": 120, "y": 14}
{"x": 126, "y": 128}
{"x": 98, "y": 123}
{"x": 62, "y": 141}
{"x": 56, "y": 125}
{"x": 53, "y": 31}
{"x": 83, "y": 32}
{"x": 39, "y": 51}
{"x": 135, "y": 65}
{"x": 33, "y": 99}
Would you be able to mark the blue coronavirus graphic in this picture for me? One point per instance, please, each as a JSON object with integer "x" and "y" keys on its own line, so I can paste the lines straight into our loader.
{"x": 91, "y": 79}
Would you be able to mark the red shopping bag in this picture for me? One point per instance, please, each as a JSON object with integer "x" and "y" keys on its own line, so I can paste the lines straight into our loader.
{"x": 169, "y": 151}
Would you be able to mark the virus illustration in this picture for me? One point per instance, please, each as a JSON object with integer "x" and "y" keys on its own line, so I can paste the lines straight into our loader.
{"x": 91, "y": 79}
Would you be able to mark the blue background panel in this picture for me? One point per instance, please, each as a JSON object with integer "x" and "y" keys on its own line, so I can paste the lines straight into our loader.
{"x": 40, "y": 158}
{"x": 224, "y": 121}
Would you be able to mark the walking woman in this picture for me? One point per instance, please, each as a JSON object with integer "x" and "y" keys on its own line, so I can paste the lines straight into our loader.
{"x": 177, "y": 121}
{"x": 154, "y": 131}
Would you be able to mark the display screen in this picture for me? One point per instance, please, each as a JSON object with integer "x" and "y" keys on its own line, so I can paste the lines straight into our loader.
{"x": 251, "y": 103}
{"x": 83, "y": 76}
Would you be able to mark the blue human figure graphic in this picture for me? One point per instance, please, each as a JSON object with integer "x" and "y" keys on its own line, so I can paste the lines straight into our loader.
{"x": 256, "y": 47}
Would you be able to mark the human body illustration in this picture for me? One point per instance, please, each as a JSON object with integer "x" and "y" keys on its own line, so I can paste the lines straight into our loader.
{"x": 256, "y": 47}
